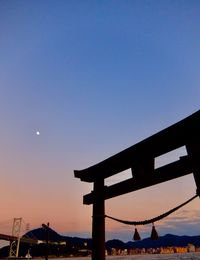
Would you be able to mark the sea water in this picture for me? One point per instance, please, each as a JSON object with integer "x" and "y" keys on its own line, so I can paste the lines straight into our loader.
{"x": 187, "y": 256}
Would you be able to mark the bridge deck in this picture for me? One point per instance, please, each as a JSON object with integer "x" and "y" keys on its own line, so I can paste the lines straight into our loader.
{"x": 22, "y": 239}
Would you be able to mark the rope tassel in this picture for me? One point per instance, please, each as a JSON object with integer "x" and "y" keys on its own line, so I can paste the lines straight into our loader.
{"x": 136, "y": 236}
{"x": 154, "y": 234}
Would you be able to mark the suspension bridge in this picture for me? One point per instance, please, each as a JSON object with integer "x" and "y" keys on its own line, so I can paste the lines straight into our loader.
{"x": 16, "y": 231}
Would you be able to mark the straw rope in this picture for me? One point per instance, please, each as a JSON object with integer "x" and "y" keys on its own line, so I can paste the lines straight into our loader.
{"x": 149, "y": 221}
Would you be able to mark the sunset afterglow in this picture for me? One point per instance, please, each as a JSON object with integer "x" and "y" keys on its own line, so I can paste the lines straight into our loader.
{"x": 81, "y": 81}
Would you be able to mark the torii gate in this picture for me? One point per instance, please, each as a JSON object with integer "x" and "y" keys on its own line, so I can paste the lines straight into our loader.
{"x": 140, "y": 158}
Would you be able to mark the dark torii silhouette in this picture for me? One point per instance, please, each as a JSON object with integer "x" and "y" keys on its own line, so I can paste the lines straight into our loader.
{"x": 140, "y": 158}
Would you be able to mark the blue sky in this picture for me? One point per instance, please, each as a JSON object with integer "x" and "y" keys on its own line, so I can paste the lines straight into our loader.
{"x": 94, "y": 77}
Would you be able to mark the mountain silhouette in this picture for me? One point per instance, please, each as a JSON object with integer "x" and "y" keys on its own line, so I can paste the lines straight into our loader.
{"x": 163, "y": 241}
{"x": 82, "y": 246}
{"x": 40, "y": 234}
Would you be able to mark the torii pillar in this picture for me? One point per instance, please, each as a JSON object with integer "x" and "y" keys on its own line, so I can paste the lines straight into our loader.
{"x": 98, "y": 223}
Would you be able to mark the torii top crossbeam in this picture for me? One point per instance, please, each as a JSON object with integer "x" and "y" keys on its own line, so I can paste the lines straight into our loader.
{"x": 140, "y": 158}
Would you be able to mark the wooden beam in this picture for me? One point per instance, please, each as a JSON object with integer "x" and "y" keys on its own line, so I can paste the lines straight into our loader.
{"x": 193, "y": 149}
{"x": 141, "y": 168}
{"x": 160, "y": 143}
{"x": 165, "y": 173}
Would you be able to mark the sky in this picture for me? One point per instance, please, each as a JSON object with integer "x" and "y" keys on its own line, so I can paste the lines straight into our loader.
{"x": 93, "y": 77}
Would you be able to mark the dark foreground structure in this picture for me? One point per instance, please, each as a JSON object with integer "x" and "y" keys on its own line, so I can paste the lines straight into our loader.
{"x": 140, "y": 158}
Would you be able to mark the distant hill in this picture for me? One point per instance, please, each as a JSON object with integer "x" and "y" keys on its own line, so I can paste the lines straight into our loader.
{"x": 164, "y": 241}
{"x": 74, "y": 245}
{"x": 40, "y": 234}
{"x": 82, "y": 246}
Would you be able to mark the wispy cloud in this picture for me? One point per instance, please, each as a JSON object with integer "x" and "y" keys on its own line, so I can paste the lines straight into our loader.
{"x": 185, "y": 222}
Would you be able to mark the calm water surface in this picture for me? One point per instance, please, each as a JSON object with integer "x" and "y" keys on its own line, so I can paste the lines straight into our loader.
{"x": 191, "y": 256}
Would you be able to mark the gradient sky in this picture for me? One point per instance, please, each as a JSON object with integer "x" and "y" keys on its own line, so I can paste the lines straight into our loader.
{"x": 94, "y": 77}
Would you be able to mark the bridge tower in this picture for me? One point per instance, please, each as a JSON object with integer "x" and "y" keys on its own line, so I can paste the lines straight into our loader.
{"x": 14, "y": 245}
